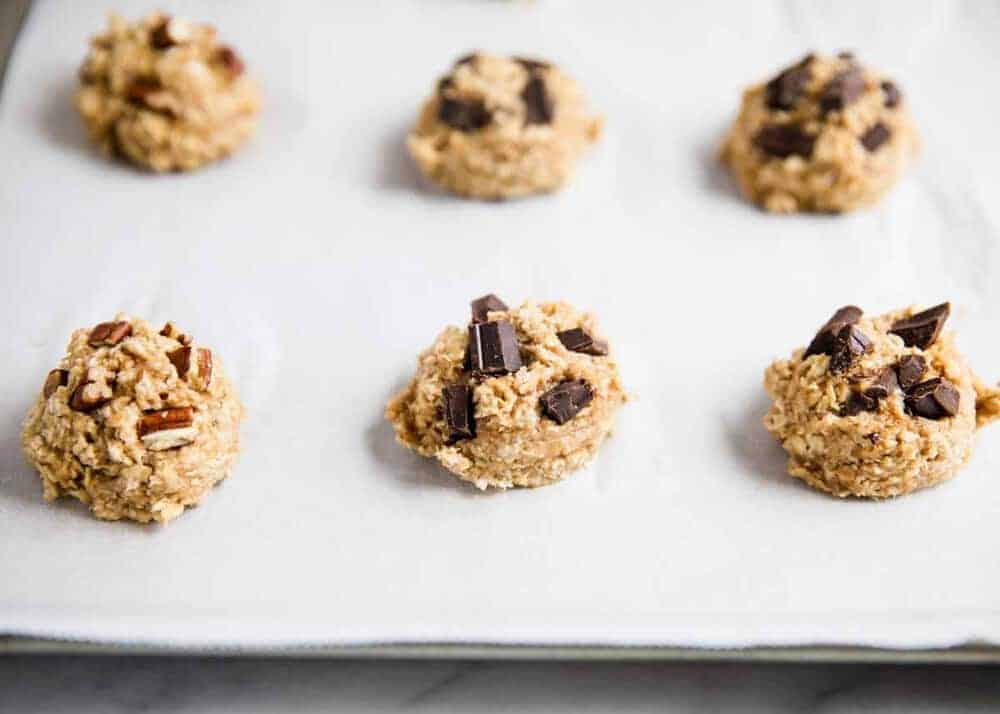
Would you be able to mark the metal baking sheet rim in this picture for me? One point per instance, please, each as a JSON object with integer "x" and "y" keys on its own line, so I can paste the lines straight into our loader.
{"x": 965, "y": 654}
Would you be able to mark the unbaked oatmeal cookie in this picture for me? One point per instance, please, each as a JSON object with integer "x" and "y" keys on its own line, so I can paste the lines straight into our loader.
{"x": 136, "y": 423}
{"x": 499, "y": 127}
{"x": 878, "y": 406}
{"x": 165, "y": 94}
{"x": 522, "y": 397}
{"x": 827, "y": 134}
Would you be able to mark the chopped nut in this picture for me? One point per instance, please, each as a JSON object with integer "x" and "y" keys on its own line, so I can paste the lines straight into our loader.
{"x": 89, "y": 396}
{"x": 230, "y": 60}
{"x": 170, "y": 32}
{"x": 181, "y": 360}
{"x": 109, "y": 333}
{"x": 57, "y": 378}
{"x": 204, "y": 368}
{"x": 170, "y": 330}
{"x": 167, "y": 428}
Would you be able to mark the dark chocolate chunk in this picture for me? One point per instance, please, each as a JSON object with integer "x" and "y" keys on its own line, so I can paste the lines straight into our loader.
{"x": 849, "y": 344}
{"x": 459, "y": 413}
{"x": 55, "y": 379}
{"x": 892, "y": 94}
{"x": 538, "y": 107}
{"x": 822, "y": 343}
{"x": 784, "y": 140}
{"x": 934, "y": 399}
{"x": 481, "y": 307}
{"x": 566, "y": 400}
{"x": 910, "y": 371}
{"x": 532, "y": 65}
{"x": 464, "y": 114}
{"x": 922, "y": 329}
{"x": 875, "y": 137}
{"x": 885, "y": 383}
{"x": 858, "y": 402}
{"x": 843, "y": 89}
{"x": 784, "y": 91}
{"x": 493, "y": 348}
{"x": 578, "y": 340}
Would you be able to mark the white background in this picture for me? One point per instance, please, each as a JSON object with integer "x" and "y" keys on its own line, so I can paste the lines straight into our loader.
{"x": 317, "y": 266}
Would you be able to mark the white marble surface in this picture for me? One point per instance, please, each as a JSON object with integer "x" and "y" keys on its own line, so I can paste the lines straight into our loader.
{"x": 110, "y": 685}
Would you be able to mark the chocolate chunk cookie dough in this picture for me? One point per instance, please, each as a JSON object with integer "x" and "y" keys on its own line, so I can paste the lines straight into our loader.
{"x": 165, "y": 94}
{"x": 878, "y": 406}
{"x": 498, "y": 128}
{"x": 136, "y": 423}
{"x": 826, "y": 134}
{"x": 520, "y": 398}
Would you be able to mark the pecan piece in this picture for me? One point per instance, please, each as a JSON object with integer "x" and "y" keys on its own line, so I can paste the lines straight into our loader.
{"x": 55, "y": 379}
{"x": 167, "y": 428}
{"x": 109, "y": 333}
{"x": 89, "y": 396}
{"x": 170, "y": 330}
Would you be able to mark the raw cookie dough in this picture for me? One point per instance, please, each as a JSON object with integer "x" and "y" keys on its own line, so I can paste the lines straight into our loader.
{"x": 521, "y": 398}
{"x": 827, "y": 134}
{"x": 135, "y": 423}
{"x": 500, "y": 127}
{"x": 878, "y": 406}
{"x": 165, "y": 94}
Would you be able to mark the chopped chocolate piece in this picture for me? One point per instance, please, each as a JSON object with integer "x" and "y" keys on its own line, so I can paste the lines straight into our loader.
{"x": 566, "y": 400}
{"x": 875, "y": 137}
{"x": 181, "y": 360}
{"x": 784, "y": 91}
{"x": 160, "y": 37}
{"x": 493, "y": 348}
{"x": 464, "y": 114}
{"x": 230, "y": 60}
{"x": 459, "y": 413}
{"x": 532, "y": 65}
{"x": 934, "y": 399}
{"x": 843, "y": 89}
{"x": 784, "y": 140}
{"x": 910, "y": 371}
{"x": 858, "y": 402}
{"x": 822, "y": 343}
{"x": 892, "y": 94}
{"x": 849, "y": 344}
{"x": 55, "y": 379}
{"x": 481, "y": 307}
{"x": 83, "y": 400}
{"x": 922, "y": 329}
{"x": 538, "y": 107}
{"x": 578, "y": 340}
{"x": 165, "y": 419}
{"x": 109, "y": 333}
{"x": 885, "y": 384}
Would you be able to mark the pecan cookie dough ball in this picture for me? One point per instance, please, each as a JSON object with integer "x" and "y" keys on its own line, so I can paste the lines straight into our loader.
{"x": 878, "y": 406}
{"x": 500, "y": 127}
{"x": 827, "y": 135}
{"x": 165, "y": 94}
{"x": 521, "y": 398}
{"x": 135, "y": 423}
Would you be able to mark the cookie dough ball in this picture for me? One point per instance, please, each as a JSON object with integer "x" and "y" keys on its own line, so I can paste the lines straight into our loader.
{"x": 498, "y": 128}
{"x": 165, "y": 94}
{"x": 134, "y": 422}
{"x": 827, "y": 134}
{"x": 521, "y": 398}
{"x": 878, "y": 406}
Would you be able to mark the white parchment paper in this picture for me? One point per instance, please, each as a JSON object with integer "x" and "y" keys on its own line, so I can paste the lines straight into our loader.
{"x": 317, "y": 266}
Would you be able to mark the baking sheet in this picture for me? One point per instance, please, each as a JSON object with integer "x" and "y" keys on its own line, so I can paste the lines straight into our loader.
{"x": 317, "y": 265}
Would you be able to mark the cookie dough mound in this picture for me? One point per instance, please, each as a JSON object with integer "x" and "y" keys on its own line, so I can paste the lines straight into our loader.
{"x": 165, "y": 94}
{"x": 522, "y": 398}
{"x": 135, "y": 423}
{"x": 826, "y": 135}
{"x": 499, "y": 128}
{"x": 878, "y": 406}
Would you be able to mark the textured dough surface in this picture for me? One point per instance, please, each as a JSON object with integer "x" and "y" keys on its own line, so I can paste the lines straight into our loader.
{"x": 99, "y": 458}
{"x": 167, "y": 107}
{"x": 515, "y": 444}
{"x": 510, "y": 156}
{"x": 840, "y": 174}
{"x": 877, "y": 454}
